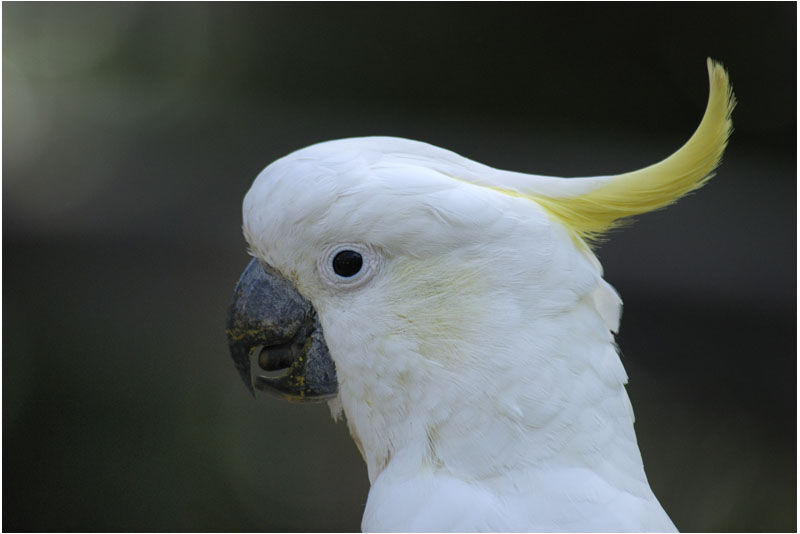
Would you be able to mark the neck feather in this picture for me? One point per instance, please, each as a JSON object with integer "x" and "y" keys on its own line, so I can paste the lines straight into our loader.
{"x": 561, "y": 404}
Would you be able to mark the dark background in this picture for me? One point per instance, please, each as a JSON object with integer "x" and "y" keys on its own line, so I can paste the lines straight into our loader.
{"x": 132, "y": 131}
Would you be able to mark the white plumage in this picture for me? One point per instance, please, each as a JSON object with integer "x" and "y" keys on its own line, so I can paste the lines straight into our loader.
{"x": 475, "y": 356}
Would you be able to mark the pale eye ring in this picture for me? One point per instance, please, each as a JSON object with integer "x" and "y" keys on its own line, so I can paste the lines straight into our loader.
{"x": 348, "y": 265}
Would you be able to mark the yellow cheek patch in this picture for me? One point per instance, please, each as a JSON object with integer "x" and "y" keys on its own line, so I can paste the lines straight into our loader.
{"x": 448, "y": 299}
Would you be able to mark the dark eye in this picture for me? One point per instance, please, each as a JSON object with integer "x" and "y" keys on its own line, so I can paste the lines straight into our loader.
{"x": 347, "y": 263}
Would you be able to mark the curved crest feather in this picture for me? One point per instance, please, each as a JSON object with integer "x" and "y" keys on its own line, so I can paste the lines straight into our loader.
{"x": 591, "y": 214}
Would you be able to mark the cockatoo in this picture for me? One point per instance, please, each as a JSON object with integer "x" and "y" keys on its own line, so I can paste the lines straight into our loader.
{"x": 456, "y": 315}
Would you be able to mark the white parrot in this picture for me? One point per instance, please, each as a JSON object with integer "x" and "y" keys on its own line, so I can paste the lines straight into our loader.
{"x": 457, "y": 317}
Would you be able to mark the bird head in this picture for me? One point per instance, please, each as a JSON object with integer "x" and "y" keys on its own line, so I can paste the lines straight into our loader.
{"x": 400, "y": 281}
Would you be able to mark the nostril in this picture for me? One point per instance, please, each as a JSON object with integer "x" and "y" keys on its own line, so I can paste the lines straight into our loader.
{"x": 276, "y": 357}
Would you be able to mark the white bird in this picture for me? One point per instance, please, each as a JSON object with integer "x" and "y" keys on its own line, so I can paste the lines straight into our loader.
{"x": 457, "y": 317}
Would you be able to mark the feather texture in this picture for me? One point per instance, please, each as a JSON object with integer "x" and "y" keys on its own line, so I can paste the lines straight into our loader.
{"x": 591, "y": 214}
{"x": 477, "y": 367}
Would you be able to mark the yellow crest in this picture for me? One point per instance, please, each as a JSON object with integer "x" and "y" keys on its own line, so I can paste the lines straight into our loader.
{"x": 589, "y": 215}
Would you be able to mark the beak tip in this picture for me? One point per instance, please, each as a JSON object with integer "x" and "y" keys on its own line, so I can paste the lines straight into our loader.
{"x": 241, "y": 359}
{"x": 250, "y": 388}
{"x": 248, "y": 383}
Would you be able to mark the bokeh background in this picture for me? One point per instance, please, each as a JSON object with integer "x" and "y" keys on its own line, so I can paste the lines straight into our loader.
{"x": 131, "y": 132}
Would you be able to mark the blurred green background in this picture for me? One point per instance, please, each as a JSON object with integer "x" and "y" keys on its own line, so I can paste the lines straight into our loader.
{"x": 131, "y": 132}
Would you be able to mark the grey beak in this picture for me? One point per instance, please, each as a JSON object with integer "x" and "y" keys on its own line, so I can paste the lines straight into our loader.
{"x": 270, "y": 324}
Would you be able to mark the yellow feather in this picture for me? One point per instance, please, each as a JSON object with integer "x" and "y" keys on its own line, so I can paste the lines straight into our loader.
{"x": 590, "y": 215}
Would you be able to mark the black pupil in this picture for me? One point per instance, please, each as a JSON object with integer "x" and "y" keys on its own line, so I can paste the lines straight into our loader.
{"x": 347, "y": 263}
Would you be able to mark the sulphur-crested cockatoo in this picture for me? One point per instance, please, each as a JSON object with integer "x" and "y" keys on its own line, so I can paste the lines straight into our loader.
{"x": 457, "y": 317}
